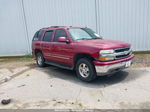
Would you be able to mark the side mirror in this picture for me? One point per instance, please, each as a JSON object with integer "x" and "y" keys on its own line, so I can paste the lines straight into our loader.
{"x": 63, "y": 39}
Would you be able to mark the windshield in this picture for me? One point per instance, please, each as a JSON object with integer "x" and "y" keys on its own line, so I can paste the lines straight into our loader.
{"x": 83, "y": 34}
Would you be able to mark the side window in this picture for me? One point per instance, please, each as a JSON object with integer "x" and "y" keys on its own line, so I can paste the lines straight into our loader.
{"x": 35, "y": 36}
{"x": 59, "y": 33}
{"x": 40, "y": 34}
{"x": 48, "y": 36}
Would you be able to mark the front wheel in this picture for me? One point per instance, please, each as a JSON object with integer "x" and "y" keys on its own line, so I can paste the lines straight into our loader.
{"x": 85, "y": 70}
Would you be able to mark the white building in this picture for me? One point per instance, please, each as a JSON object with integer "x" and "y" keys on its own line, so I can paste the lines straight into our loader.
{"x": 125, "y": 20}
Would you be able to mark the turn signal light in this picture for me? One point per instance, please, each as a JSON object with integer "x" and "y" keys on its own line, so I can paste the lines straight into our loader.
{"x": 106, "y": 58}
{"x": 102, "y": 58}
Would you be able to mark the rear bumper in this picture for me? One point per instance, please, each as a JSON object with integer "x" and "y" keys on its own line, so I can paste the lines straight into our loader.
{"x": 104, "y": 68}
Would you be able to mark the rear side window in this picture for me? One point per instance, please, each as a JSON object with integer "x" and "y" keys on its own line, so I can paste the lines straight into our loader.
{"x": 35, "y": 36}
{"x": 48, "y": 36}
{"x": 38, "y": 35}
{"x": 59, "y": 33}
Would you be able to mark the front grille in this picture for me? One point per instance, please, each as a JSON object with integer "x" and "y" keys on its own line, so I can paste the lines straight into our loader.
{"x": 122, "y": 56}
{"x": 122, "y": 52}
{"x": 122, "y": 49}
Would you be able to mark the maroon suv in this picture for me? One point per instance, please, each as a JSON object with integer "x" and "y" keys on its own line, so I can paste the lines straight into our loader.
{"x": 80, "y": 49}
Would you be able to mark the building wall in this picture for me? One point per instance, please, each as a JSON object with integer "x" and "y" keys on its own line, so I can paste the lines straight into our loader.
{"x": 13, "y": 39}
{"x": 125, "y": 20}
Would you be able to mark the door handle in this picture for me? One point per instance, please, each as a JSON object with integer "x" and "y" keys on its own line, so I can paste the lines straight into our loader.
{"x": 52, "y": 46}
{"x": 45, "y": 46}
{"x": 60, "y": 48}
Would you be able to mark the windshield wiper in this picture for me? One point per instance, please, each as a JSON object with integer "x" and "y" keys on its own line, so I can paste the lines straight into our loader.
{"x": 96, "y": 38}
{"x": 83, "y": 39}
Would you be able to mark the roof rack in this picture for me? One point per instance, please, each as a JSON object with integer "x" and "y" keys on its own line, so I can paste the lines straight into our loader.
{"x": 56, "y": 26}
{"x": 46, "y": 27}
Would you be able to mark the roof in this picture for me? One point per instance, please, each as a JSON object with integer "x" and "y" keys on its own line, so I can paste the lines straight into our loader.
{"x": 57, "y": 27}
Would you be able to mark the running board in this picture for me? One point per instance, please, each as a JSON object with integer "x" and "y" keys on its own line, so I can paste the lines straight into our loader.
{"x": 59, "y": 65}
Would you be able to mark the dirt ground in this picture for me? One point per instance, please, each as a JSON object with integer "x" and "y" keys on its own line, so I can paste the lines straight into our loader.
{"x": 32, "y": 87}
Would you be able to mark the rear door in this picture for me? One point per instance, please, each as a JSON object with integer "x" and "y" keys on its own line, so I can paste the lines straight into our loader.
{"x": 36, "y": 43}
{"x": 46, "y": 44}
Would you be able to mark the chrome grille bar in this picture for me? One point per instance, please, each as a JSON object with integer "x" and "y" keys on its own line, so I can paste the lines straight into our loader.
{"x": 122, "y": 52}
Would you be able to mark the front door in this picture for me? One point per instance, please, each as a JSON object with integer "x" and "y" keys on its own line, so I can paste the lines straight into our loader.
{"x": 61, "y": 51}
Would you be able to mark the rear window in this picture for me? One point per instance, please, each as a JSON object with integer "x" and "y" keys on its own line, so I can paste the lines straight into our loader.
{"x": 38, "y": 35}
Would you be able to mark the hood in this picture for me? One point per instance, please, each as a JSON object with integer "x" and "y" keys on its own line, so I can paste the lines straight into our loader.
{"x": 103, "y": 44}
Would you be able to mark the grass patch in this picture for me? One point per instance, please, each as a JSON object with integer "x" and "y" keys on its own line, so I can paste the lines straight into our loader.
{"x": 141, "y": 52}
{"x": 24, "y": 56}
{"x": 27, "y": 56}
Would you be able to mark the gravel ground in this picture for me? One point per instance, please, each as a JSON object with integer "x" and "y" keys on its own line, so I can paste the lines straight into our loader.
{"x": 51, "y": 87}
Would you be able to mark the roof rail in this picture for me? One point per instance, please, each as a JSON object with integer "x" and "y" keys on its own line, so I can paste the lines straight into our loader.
{"x": 46, "y": 27}
{"x": 56, "y": 26}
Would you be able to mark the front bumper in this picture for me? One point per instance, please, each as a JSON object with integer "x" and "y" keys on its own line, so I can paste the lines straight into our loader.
{"x": 105, "y": 68}
{"x": 109, "y": 69}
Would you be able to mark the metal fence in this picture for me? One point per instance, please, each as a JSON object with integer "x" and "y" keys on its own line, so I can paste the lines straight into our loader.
{"x": 125, "y": 20}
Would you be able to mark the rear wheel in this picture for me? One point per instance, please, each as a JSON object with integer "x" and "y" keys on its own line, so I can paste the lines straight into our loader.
{"x": 85, "y": 70}
{"x": 40, "y": 59}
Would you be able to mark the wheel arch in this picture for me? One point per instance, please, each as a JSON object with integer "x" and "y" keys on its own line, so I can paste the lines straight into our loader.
{"x": 37, "y": 51}
{"x": 82, "y": 55}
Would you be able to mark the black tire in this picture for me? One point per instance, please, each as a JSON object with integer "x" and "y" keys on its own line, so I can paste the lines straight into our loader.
{"x": 92, "y": 72}
{"x": 40, "y": 62}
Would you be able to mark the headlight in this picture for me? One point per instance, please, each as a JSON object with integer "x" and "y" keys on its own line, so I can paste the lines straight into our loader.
{"x": 105, "y": 55}
{"x": 106, "y": 51}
